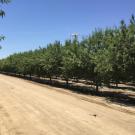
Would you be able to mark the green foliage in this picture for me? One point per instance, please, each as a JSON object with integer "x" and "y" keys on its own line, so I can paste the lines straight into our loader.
{"x": 71, "y": 59}
{"x": 104, "y": 56}
{"x": 2, "y": 14}
{"x": 52, "y": 60}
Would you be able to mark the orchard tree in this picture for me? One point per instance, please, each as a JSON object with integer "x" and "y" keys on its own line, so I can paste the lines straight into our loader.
{"x": 52, "y": 60}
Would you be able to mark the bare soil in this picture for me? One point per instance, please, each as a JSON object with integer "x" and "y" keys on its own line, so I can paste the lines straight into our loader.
{"x": 31, "y": 109}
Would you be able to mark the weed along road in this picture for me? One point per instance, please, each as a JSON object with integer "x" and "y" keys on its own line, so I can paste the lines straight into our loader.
{"x": 28, "y": 108}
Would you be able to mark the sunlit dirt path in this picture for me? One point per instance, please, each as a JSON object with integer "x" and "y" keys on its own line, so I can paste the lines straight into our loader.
{"x": 30, "y": 109}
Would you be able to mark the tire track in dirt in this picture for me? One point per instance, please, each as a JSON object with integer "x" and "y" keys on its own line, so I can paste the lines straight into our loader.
{"x": 30, "y": 109}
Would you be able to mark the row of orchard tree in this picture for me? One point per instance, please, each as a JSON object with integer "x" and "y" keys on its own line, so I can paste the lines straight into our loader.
{"x": 104, "y": 56}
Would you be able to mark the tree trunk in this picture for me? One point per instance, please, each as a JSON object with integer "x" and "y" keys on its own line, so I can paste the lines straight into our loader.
{"x": 97, "y": 87}
{"x": 77, "y": 80}
{"x": 116, "y": 84}
{"x": 67, "y": 84}
{"x": 30, "y": 76}
{"x": 50, "y": 80}
{"x": 108, "y": 84}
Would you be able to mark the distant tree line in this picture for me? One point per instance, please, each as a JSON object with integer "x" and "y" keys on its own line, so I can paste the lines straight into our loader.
{"x": 105, "y": 56}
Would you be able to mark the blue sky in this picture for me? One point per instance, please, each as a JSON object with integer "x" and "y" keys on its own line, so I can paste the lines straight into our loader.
{"x": 32, "y": 23}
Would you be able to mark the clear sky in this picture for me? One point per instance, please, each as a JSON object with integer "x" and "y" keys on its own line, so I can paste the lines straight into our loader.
{"x": 32, "y": 23}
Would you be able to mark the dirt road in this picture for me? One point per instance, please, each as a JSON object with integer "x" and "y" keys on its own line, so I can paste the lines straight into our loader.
{"x": 30, "y": 109}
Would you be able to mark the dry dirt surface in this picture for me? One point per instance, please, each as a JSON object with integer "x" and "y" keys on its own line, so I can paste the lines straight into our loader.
{"x": 30, "y": 109}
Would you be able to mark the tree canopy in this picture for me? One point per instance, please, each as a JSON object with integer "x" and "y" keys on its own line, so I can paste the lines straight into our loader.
{"x": 106, "y": 55}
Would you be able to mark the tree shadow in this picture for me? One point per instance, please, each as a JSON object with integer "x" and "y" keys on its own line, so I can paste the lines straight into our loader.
{"x": 118, "y": 98}
{"x": 124, "y": 88}
{"x": 115, "y": 97}
{"x": 111, "y": 96}
{"x": 131, "y": 84}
